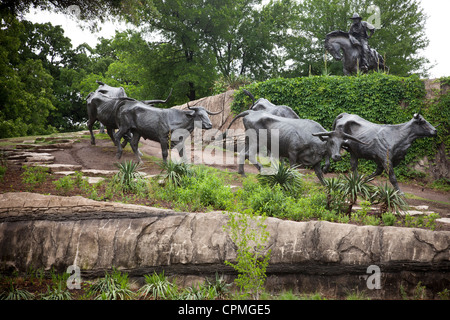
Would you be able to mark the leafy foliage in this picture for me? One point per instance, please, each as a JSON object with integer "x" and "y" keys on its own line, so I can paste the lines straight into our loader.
{"x": 34, "y": 176}
{"x": 249, "y": 233}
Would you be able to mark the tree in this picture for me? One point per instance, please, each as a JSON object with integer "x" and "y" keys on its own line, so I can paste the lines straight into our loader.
{"x": 208, "y": 38}
{"x": 92, "y": 11}
{"x": 248, "y": 38}
{"x": 399, "y": 39}
{"x": 25, "y": 86}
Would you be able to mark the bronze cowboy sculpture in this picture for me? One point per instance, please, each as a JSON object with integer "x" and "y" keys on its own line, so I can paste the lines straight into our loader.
{"x": 357, "y": 55}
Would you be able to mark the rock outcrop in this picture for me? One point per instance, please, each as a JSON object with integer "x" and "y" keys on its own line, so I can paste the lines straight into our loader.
{"x": 50, "y": 231}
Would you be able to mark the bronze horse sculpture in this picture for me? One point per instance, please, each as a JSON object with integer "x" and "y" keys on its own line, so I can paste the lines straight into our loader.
{"x": 339, "y": 41}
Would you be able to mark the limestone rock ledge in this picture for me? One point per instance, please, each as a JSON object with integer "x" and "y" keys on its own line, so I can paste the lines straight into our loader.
{"x": 50, "y": 231}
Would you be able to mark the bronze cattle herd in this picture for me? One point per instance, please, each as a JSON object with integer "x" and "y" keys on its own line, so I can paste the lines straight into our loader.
{"x": 278, "y": 128}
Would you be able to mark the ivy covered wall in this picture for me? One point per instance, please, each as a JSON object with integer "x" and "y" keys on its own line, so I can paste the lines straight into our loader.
{"x": 377, "y": 97}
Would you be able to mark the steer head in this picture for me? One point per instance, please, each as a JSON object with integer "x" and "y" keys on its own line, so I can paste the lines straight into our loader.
{"x": 334, "y": 141}
{"x": 200, "y": 114}
{"x": 421, "y": 127}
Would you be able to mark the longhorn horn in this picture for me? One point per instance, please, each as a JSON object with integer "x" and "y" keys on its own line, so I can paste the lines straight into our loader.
{"x": 322, "y": 134}
{"x": 188, "y": 106}
{"x": 159, "y": 101}
{"x": 347, "y": 136}
{"x": 214, "y": 113}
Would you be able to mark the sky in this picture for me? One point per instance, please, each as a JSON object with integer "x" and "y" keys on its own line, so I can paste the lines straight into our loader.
{"x": 436, "y": 30}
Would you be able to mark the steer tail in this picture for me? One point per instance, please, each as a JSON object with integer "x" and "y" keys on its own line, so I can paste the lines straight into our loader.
{"x": 240, "y": 115}
{"x": 251, "y": 97}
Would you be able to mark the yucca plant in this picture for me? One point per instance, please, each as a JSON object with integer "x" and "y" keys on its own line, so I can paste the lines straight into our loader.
{"x": 284, "y": 175}
{"x": 128, "y": 174}
{"x": 335, "y": 199}
{"x": 219, "y": 286}
{"x": 157, "y": 286}
{"x": 174, "y": 171}
{"x": 390, "y": 199}
{"x": 114, "y": 286}
{"x": 58, "y": 292}
{"x": 12, "y": 293}
{"x": 345, "y": 190}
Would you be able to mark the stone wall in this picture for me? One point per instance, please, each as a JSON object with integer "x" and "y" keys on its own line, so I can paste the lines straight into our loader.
{"x": 50, "y": 231}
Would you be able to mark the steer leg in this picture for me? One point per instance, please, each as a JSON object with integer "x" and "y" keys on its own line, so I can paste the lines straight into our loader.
{"x": 134, "y": 143}
{"x": 90, "y": 125}
{"x": 377, "y": 172}
{"x": 241, "y": 160}
{"x": 110, "y": 132}
{"x": 252, "y": 152}
{"x": 164, "y": 150}
{"x": 327, "y": 164}
{"x": 354, "y": 164}
{"x": 117, "y": 136}
{"x": 319, "y": 173}
{"x": 392, "y": 178}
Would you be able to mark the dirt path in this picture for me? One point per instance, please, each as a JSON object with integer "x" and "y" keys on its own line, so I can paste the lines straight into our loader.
{"x": 102, "y": 157}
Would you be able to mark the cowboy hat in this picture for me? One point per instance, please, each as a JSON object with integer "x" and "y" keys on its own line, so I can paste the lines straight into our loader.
{"x": 356, "y": 16}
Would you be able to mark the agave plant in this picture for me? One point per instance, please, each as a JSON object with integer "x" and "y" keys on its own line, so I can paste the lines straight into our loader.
{"x": 354, "y": 186}
{"x": 284, "y": 175}
{"x": 345, "y": 190}
{"x": 157, "y": 286}
{"x": 57, "y": 292}
{"x": 12, "y": 293}
{"x": 174, "y": 171}
{"x": 128, "y": 173}
{"x": 113, "y": 286}
{"x": 390, "y": 199}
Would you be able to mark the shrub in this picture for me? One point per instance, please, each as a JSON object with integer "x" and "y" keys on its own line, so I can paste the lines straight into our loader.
{"x": 198, "y": 188}
{"x": 267, "y": 200}
{"x": 2, "y": 172}
{"x": 388, "y": 219}
{"x": 34, "y": 176}
{"x": 249, "y": 234}
{"x": 65, "y": 183}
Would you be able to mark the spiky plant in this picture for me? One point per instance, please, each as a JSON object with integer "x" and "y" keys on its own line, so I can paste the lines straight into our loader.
{"x": 157, "y": 286}
{"x": 174, "y": 171}
{"x": 12, "y": 293}
{"x": 128, "y": 174}
{"x": 287, "y": 177}
{"x": 390, "y": 199}
{"x": 354, "y": 186}
{"x": 114, "y": 286}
